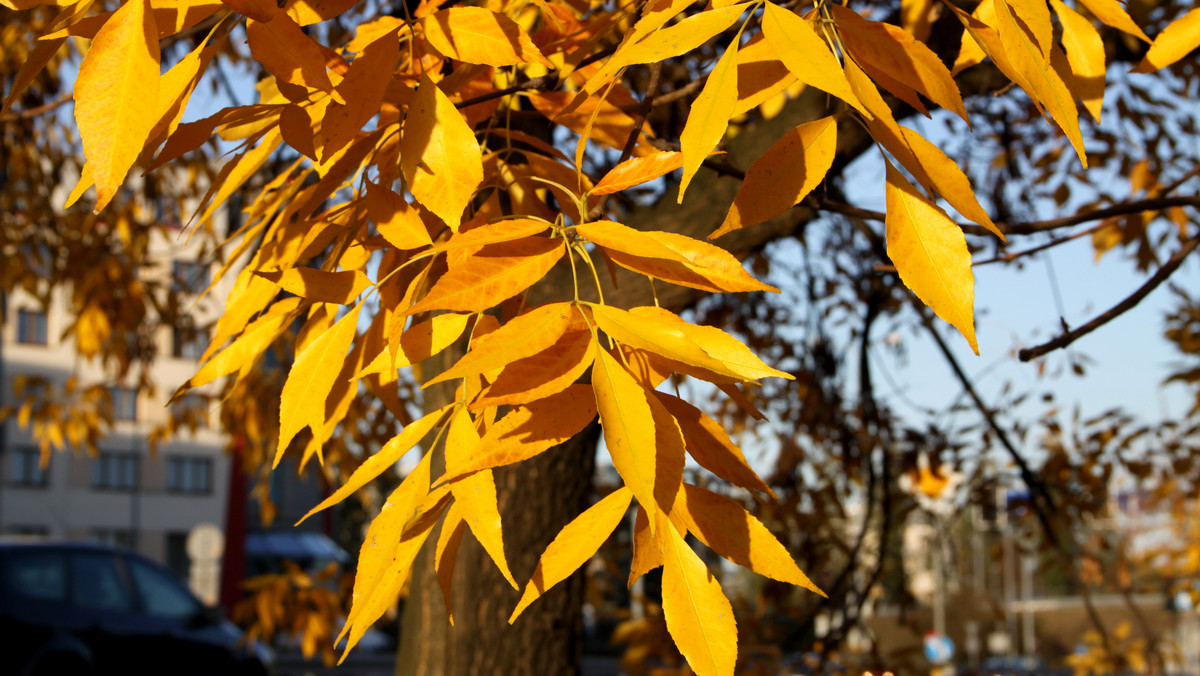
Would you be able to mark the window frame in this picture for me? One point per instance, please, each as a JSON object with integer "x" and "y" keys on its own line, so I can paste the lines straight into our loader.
{"x": 40, "y": 333}
{"x": 29, "y": 473}
{"x": 116, "y": 471}
{"x": 182, "y": 478}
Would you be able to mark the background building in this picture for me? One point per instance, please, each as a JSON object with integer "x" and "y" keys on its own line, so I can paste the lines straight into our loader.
{"x": 126, "y": 494}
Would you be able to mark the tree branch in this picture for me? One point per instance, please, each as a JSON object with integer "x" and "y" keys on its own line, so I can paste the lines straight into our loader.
{"x": 39, "y": 110}
{"x": 1117, "y": 310}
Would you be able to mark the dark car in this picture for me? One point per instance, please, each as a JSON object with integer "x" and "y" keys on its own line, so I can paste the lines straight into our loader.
{"x": 70, "y": 608}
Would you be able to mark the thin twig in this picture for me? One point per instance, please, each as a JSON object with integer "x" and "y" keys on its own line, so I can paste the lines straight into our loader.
{"x": 541, "y": 83}
{"x": 38, "y": 110}
{"x": 1068, "y": 337}
{"x": 1012, "y": 256}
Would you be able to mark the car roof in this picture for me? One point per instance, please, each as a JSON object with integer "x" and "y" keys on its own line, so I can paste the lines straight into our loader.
{"x": 19, "y": 543}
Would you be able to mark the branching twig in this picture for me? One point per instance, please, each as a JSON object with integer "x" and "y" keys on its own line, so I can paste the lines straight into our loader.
{"x": 541, "y": 83}
{"x": 38, "y": 110}
{"x": 1068, "y": 337}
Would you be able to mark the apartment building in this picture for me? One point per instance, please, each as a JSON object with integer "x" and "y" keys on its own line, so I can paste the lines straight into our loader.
{"x": 125, "y": 495}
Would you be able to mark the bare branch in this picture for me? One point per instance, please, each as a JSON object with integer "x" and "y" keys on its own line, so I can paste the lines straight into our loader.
{"x": 1117, "y": 310}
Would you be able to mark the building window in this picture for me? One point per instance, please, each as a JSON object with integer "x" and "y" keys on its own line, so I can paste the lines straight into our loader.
{"x": 25, "y": 468}
{"x": 28, "y": 531}
{"x": 188, "y": 342}
{"x": 31, "y": 327}
{"x": 115, "y": 471}
{"x": 190, "y": 276}
{"x": 124, "y": 403}
{"x": 189, "y": 475}
{"x": 191, "y": 410}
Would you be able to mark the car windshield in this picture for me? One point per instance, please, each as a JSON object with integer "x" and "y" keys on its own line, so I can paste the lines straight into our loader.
{"x": 35, "y": 575}
{"x": 160, "y": 594}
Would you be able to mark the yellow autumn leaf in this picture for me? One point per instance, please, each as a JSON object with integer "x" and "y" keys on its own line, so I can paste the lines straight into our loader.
{"x": 1037, "y": 77}
{"x": 302, "y": 401}
{"x": 1035, "y": 14}
{"x": 320, "y": 285}
{"x": 507, "y": 230}
{"x": 396, "y": 219}
{"x": 654, "y": 332}
{"x": 379, "y": 544}
{"x": 930, "y": 254}
{"x": 248, "y": 347}
{"x": 806, "y": 54}
{"x": 709, "y": 115}
{"x": 628, "y": 426}
{"x": 396, "y": 569}
{"x": 675, "y": 40}
{"x": 943, "y": 175}
{"x": 710, "y": 446}
{"x": 92, "y": 330}
{"x": 478, "y": 35}
{"x": 419, "y": 343}
{"x": 475, "y": 495}
{"x": 729, "y": 351}
{"x": 574, "y": 545}
{"x": 117, "y": 77}
{"x": 439, "y": 155}
{"x": 529, "y": 430}
{"x": 719, "y": 269}
{"x": 492, "y": 275}
{"x": 638, "y": 170}
{"x": 699, "y": 617}
{"x": 1085, "y": 53}
{"x": 970, "y": 51}
{"x": 728, "y": 529}
{"x": 1112, "y": 13}
{"x": 762, "y": 77}
{"x": 594, "y": 117}
{"x": 1176, "y": 41}
{"x": 379, "y": 462}
{"x": 783, "y": 175}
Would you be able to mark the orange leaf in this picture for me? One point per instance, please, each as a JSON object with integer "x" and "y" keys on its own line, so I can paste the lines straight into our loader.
{"x": 628, "y": 426}
{"x": 945, "y": 177}
{"x": 672, "y": 257}
{"x": 446, "y": 554}
{"x": 381, "y": 461}
{"x": 1175, "y": 42}
{"x": 360, "y": 88}
{"x": 529, "y": 430}
{"x": 478, "y": 35}
{"x": 319, "y": 285}
{"x": 507, "y": 230}
{"x": 647, "y": 555}
{"x": 729, "y": 530}
{"x": 523, "y": 336}
{"x": 930, "y": 254}
{"x": 805, "y": 53}
{"x": 638, "y": 170}
{"x": 890, "y": 51}
{"x": 699, "y": 617}
{"x": 711, "y": 447}
{"x": 439, "y": 155}
{"x": 784, "y": 175}
{"x": 396, "y": 219}
{"x": 542, "y": 375}
{"x": 290, "y": 55}
{"x": 574, "y": 545}
{"x": 492, "y": 275}
{"x": 259, "y": 10}
{"x": 115, "y": 95}
{"x": 302, "y": 402}
{"x": 709, "y": 115}
{"x": 248, "y": 347}
{"x": 419, "y": 343}
{"x": 608, "y": 123}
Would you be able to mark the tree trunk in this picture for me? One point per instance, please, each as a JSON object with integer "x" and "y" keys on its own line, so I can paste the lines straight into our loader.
{"x": 537, "y": 498}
